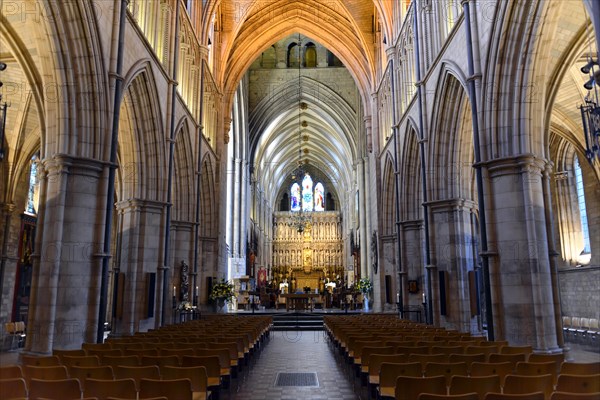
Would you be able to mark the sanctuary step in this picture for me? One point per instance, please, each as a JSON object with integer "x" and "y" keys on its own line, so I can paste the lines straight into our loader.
{"x": 297, "y": 322}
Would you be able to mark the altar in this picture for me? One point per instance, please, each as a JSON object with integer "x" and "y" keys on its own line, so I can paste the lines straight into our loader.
{"x": 299, "y": 301}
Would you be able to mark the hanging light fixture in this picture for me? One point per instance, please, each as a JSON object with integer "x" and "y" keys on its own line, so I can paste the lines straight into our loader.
{"x": 590, "y": 110}
{"x": 3, "y": 110}
{"x": 300, "y": 220}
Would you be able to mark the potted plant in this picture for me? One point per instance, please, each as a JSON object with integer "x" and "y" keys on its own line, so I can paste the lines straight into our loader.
{"x": 365, "y": 287}
{"x": 222, "y": 292}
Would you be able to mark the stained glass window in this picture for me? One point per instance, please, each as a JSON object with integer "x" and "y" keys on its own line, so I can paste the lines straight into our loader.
{"x": 582, "y": 210}
{"x": 295, "y": 206}
{"x": 307, "y": 193}
{"x": 319, "y": 197}
{"x": 32, "y": 194}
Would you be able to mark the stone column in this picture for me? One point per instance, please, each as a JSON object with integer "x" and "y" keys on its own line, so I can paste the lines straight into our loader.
{"x": 9, "y": 239}
{"x": 141, "y": 247}
{"x": 522, "y": 292}
{"x": 412, "y": 260}
{"x": 65, "y": 282}
{"x": 452, "y": 252}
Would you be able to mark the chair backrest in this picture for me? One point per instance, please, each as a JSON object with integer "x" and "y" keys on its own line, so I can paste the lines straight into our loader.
{"x": 410, "y": 387}
{"x": 160, "y": 360}
{"x": 55, "y": 372}
{"x": 83, "y": 373}
{"x": 574, "y": 396}
{"x": 62, "y": 353}
{"x": 515, "y": 396}
{"x": 114, "y": 361}
{"x": 11, "y": 372}
{"x": 211, "y": 363}
{"x": 137, "y": 373}
{"x": 448, "y": 370}
{"x": 467, "y": 358}
{"x": 47, "y": 361}
{"x": 516, "y": 350}
{"x": 81, "y": 361}
{"x": 60, "y": 389}
{"x": 578, "y": 383}
{"x": 104, "y": 389}
{"x": 535, "y": 369}
{"x": 521, "y": 384}
{"x": 13, "y": 388}
{"x": 580, "y": 368}
{"x": 196, "y": 375}
{"x": 513, "y": 358}
{"x": 180, "y": 389}
{"x": 461, "y": 384}
{"x": 389, "y": 372}
{"x": 485, "y": 369}
{"x": 428, "y": 358}
{"x": 429, "y": 396}
{"x": 448, "y": 350}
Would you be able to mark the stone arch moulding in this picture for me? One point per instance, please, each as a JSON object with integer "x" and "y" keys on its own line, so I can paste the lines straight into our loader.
{"x": 147, "y": 139}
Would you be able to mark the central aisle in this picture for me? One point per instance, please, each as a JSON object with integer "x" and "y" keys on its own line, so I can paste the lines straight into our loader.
{"x": 287, "y": 351}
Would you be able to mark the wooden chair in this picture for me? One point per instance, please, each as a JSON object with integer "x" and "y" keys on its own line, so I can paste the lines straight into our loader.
{"x": 96, "y": 346}
{"x": 572, "y": 368}
{"x": 578, "y": 383}
{"x": 448, "y": 370}
{"x": 47, "y": 361}
{"x": 486, "y": 369}
{"x": 212, "y": 365}
{"x": 428, "y": 358}
{"x": 558, "y": 359}
{"x": 410, "y": 387}
{"x": 196, "y": 375}
{"x": 11, "y": 372}
{"x": 480, "y": 384}
{"x": 180, "y": 389}
{"x": 82, "y": 373}
{"x": 137, "y": 373}
{"x": 376, "y": 360}
{"x": 368, "y": 351}
{"x": 448, "y": 350}
{"x": 115, "y": 361}
{"x": 487, "y": 350}
{"x": 389, "y": 373}
{"x": 13, "y": 388}
{"x": 103, "y": 389}
{"x": 467, "y": 396}
{"x": 535, "y": 369}
{"x": 160, "y": 361}
{"x": 145, "y": 398}
{"x": 55, "y": 372}
{"x": 520, "y": 384}
{"x": 223, "y": 354}
{"x": 81, "y": 361}
{"x": 467, "y": 358}
{"x": 62, "y": 353}
{"x": 59, "y": 389}
{"x": 574, "y": 396}
{"x": 515, "y": 396}
{"x": 101, "y": 353}
{"x": 511, "y": 358}
{"x": 516, "y": 350}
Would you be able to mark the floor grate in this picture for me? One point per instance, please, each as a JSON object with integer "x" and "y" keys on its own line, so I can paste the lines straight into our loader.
{"x": 297, "y": 379}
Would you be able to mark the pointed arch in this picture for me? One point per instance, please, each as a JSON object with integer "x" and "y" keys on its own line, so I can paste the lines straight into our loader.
{"x": 451, "y": 150}
{"x": 388, "y": 197}
{"x": 183, "y": 182}
{"x": 141, "y": 137}
{"x": 208, "y": 194}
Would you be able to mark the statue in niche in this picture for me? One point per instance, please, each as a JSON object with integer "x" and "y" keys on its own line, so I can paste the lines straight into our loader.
{"x": 374, "y": 251}
{"x": 184, "y": 279}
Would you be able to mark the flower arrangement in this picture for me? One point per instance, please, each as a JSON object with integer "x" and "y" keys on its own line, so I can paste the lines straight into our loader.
{"x": 222, "y": 290}
{"x": 185, "y": 306}
{"x": 364, "y": 285}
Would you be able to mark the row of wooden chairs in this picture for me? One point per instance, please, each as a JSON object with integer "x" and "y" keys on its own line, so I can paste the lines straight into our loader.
{"x": 382, "y": 358}
{"x": 122, "y": 389}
